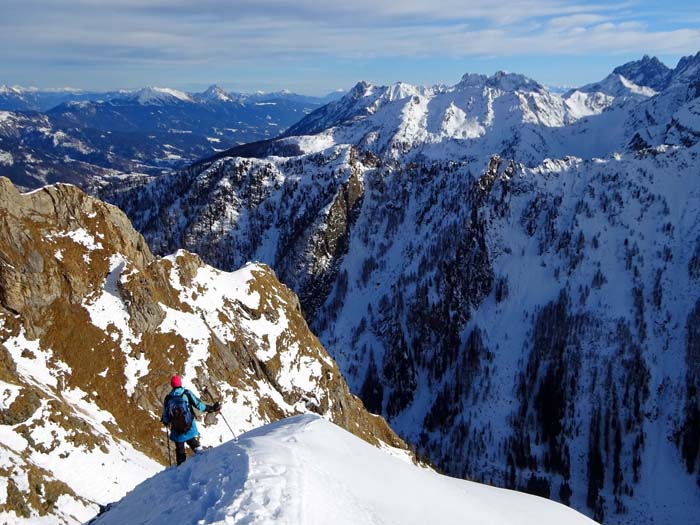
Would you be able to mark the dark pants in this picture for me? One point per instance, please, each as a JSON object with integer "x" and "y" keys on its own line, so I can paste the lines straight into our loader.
{"x": 180, "y": 453}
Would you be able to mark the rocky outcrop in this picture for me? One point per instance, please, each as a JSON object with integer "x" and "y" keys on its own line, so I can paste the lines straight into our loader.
{"x": 689, "y": 435}
{"x": 323, "y": 245}
{"x": 92, "y": 325}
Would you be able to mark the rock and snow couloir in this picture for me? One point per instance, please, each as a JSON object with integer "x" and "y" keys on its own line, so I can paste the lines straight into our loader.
{"x": 305, "y": 470}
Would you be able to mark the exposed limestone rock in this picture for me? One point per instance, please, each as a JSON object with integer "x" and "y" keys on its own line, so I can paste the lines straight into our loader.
{"x": 329, "y": 242}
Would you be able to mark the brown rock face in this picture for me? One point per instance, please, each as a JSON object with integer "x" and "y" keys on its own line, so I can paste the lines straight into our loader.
{"x": 92, "y": 325}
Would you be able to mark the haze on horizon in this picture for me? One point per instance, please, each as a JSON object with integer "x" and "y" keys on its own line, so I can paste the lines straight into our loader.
{"x": 311, "y": 48}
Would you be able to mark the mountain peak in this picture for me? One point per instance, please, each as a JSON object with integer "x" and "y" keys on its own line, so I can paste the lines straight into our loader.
{"x": 359, "y": 90}
{"x": 216, "y": 93}
{"x": 335, "y": 112}
{"x": 512, "y": 81}
{"x": 614, "y": 86}
{"x": 15, "y": 90}
{"x": 159, "y": 95}
{"x": 687, "y": 67}
{"x": 647, "y": 72}
{"x": 472, "y": 79}
{"x": 501, "y": 80}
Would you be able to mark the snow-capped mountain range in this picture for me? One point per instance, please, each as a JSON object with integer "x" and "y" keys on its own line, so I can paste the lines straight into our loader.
{"x": 307, "y": 471}
{"x": 92, "y": 326}
{"x": 508, "y": 275}
{"x": 507, "y": 114}
{"x": 223, "y": 118}
{"x": 19, "y": 98}
{"x": 88, "y": 138}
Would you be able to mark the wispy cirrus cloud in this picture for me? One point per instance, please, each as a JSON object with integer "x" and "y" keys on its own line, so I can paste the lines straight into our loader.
{"x": 563, "y": 23}
{"x": 334, "y": 12}
{"x": 186, "y": 34}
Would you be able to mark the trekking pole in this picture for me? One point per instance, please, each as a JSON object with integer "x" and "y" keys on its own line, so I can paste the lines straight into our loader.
{"x": 204, "y": 389}
{"x": 170, "y": 461}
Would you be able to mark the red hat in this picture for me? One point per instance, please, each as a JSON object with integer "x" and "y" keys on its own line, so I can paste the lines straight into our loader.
{"x": 175, "y": 381}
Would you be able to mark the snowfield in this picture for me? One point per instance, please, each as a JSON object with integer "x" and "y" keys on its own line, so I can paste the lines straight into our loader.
{"x": 306, "y": 470}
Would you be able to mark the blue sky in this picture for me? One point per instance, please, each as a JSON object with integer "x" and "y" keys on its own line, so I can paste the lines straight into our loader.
{"x": 315, "y": 46}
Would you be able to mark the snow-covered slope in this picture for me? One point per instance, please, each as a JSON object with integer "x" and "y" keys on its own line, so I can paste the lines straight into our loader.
{"x": 307, "y": 471}
{"x": 92, "y": 326}
{"x": 14, "y": 98}
{"x": 593, "y": 99}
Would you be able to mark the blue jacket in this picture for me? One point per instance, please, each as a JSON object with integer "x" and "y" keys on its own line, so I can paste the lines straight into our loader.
{"x": 191, "y": 399}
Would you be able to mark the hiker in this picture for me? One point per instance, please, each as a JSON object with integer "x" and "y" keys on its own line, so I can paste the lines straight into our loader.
{"x": 178, "y": 412}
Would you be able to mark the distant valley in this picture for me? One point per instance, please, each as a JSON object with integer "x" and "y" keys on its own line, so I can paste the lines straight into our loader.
{"x": 91, "y": 138}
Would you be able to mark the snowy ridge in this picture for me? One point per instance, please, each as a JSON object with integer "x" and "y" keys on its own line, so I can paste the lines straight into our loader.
{"x": 91, "y": 403}
{"x": 307, "y": 471}
{"x": 159, "y": 96}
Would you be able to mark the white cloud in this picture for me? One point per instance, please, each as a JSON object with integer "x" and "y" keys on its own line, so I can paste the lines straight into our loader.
{"x": 328, "y": 10}
{"x": 562, "y": 23}
{"x": 151, "y": 33}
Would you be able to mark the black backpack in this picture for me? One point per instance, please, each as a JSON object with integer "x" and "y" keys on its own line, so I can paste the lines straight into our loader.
{"x": 179, "y": 410}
